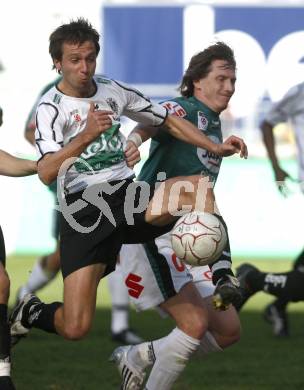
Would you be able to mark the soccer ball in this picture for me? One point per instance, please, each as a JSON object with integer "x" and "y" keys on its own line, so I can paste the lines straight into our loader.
{"x": 198, "y": 238}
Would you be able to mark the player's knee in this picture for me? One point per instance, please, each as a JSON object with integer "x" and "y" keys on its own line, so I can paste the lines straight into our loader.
{"x": 194, "y": 324}
{"x": 4, "y": 286}
{"x": 76, "y": 331}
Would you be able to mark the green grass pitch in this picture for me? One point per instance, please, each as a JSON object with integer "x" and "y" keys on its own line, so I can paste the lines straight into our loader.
{"x": 258, "y": 361}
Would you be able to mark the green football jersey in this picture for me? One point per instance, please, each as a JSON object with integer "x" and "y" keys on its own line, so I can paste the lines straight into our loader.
{"x": 177, "y": 158}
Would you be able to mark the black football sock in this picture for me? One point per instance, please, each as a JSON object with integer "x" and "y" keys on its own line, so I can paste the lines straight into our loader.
{"x": 222, "y": 266}
{"x": 255, "y": 280}
{"x": 4, "y": 334}
{"x": 281, "y": 303}
{"x": 41, "y": 316}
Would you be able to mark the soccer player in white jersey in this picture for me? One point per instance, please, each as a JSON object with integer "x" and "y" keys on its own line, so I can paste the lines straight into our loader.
{"x": 47, "y": 266}
{"x": 9, "y": 166}
{"x": 78, "y": 139}
{"x": 154, "y": 275}
{"x": 287, "y": 286}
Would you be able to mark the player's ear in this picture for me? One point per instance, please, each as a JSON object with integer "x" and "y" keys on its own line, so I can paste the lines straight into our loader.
{"x": 57, "y": 66}
{"x": 197, "y": 84}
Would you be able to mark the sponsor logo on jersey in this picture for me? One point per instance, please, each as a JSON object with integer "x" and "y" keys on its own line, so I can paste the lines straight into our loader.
{"x": 202, "y": 121}
{"x": 76, "y": 115}
{"x": 213, "y": 159}
{"x": 174, "y": 108}
{"x": 113, "y": 104}
{"x": 211, "y": 162}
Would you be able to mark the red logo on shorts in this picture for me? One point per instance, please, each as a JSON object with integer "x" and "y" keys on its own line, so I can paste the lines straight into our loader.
{"x": 134, "y": 288}
{"x": 178, "y": 264}
{"x": 208, "y": 275}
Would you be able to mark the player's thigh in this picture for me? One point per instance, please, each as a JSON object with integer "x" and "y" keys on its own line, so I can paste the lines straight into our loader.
{"x": 225, "y": 324}
{"x": 180, "y": 193}
{"x": 80, "y": 289}
{"x": 2, "y": 249}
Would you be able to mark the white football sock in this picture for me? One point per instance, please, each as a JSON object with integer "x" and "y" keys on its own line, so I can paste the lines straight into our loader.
{"x": 120, "y": 301}
{"x": 172, "y": 354}
{"x": 142, "y": 355}
{"x": 208, "y": 344}
{"x": 5, "y": 368}
{"x": 38, "y": 278}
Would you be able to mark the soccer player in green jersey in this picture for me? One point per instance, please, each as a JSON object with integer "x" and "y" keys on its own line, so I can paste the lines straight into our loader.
{"x": 9, "y": 166}
{"x": 157, "y": 278}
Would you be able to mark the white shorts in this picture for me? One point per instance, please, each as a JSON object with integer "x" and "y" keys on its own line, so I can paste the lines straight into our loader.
{"x": 153, "y": 273}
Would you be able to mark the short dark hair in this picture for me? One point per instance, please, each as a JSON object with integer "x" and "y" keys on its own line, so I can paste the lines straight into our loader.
{"x": 76, "y": 32}
{"x": 200, "y": 65}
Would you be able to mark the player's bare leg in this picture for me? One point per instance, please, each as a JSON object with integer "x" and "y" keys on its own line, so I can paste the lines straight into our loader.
{"x": 178, "y": 196}
{"x": 73, "y": 318}
{"x": 224, "y": 328}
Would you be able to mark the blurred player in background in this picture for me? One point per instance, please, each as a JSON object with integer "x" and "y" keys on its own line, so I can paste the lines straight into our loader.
{"x": 9, "y": 166}
{"x": 153, "y": 274}
{"x": 287, "y": 286}
{"x": 47, "y": 267}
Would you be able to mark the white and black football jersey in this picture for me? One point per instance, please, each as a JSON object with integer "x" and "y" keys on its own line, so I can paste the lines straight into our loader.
{"x": 60, "y": 118}
{"x": 291, "y": 109}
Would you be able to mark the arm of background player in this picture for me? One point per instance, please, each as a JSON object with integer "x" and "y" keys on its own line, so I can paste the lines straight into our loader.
{"x": 30, "y": 124}
{"x": 14, "y": 166}
{"x": 269, "y": 142}
{"x": 29, "y": 132}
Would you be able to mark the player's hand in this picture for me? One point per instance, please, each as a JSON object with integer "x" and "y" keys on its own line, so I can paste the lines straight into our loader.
{"x": 98, "y": 121}
{"x": 281, "y": 177}
{"x": 132, "y": 154}
{"x": 233, "y": 145}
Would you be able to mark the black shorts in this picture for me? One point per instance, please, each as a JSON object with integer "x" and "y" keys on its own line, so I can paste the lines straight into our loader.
{"x": 56, "y": 224}
{"x": 102, "y": 244}
{"x": 2, "y": 248}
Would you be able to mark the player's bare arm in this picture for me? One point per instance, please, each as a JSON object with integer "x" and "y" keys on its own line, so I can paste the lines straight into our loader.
{"x": 187, "y": 132}
{"x": 269, "y": 141}
{"x": 97, "y": 123}
{"x": 16, "y": 167}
